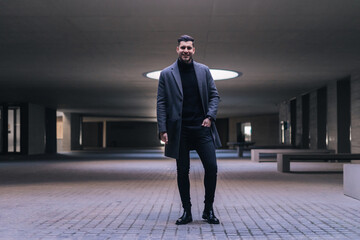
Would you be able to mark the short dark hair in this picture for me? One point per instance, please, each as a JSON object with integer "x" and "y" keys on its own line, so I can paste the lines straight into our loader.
{"x": 185, "y": 38}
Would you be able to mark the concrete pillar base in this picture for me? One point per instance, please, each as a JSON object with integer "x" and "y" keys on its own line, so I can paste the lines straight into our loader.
{"x": 352, "y": 180}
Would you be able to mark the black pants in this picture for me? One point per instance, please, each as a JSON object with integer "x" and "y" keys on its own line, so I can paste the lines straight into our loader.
{"x": 197, "y": 138}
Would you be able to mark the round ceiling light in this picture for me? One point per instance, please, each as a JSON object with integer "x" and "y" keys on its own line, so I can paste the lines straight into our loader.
{"x": 217, "y": 74}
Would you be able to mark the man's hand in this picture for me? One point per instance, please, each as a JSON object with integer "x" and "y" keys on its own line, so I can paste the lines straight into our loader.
{"x": 164, "y": 137}
{"x": 206, "y": 122}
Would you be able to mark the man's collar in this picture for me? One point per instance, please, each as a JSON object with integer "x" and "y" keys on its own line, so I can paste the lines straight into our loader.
{"x": 184, "y": 65}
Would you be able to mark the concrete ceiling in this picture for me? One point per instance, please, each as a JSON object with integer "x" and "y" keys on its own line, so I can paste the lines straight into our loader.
{"x": 89, "y": 56}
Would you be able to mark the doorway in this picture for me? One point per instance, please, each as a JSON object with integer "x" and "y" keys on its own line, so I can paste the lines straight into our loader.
{"x": 243, "y": 132}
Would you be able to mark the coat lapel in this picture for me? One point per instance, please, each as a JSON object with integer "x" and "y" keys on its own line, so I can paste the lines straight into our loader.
{"x": 176, "y": 73}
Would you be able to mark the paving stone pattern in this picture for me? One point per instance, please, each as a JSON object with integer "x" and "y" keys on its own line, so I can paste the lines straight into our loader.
{"x": 138, "y": 199}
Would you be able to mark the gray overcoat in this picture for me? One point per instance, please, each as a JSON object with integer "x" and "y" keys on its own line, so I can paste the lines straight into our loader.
{"x": 170, "y": 102}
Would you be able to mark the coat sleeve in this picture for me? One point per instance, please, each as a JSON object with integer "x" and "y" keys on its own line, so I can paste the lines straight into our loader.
{"x": 161, "y": 105}
{"x": 214, "y": 97}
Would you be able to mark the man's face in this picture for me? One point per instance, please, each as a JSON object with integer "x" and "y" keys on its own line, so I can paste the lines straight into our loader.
{"x": 185, "y": 51}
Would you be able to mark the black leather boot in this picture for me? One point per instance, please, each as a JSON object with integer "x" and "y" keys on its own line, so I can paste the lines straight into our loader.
{"x": 210, "y": 217}
{"x": 185, "y": 218}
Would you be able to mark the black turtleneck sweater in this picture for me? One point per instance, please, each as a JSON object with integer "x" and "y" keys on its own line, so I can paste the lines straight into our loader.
{"x": 192, "y": 113}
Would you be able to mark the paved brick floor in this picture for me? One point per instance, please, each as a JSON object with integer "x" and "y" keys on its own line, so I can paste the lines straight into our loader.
{"x": 138, "y": 199}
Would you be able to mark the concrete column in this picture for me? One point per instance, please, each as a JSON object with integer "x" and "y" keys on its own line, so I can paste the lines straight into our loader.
{"x": 50, "y": 121}
{"x": 352, "y": 180}
{"x": 104, "y": 134}
{"x": 343, "y": 115}
{"x": 332, "y": 117}
{"x": 313, "y": 121}
{"x": 355, "y": 113}
{"x": 321, "y": 117}
{"x": 75, "y": 131}
{"x": 36, "y": 140}
{"x": 299, "y": 127}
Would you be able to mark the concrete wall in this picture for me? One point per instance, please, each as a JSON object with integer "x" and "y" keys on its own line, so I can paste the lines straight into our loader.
{"x": 265, "y": 129}
{"x": 92, "y": 134}
{"x": 132, "y": 134}
{"x": 59, "y": 145}
{"x": 71, "y": 133}
{"x": 355, "y": 113}
{"x": 66, "y": 141}
{"x": 36, "y": 141}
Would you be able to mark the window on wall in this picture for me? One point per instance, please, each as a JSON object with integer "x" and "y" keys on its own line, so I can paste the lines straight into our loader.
{"x": 14, "y": 129}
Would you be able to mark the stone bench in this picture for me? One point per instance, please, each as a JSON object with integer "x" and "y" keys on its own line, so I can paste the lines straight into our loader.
{"x": 283, "y": 160}
{"x": 352, "y": 180}
{"x": 256, "y": 153}
{"x": 240, "y": 146}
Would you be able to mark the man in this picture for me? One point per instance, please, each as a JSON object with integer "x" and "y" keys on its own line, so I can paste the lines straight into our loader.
{"x": 187, "y": 103}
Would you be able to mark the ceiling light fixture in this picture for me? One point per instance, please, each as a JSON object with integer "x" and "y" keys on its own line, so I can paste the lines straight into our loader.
{"x": 217, "y": 74}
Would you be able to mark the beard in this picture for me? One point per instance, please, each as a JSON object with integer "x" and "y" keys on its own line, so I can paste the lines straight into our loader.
{"x": 185, "y": 58}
